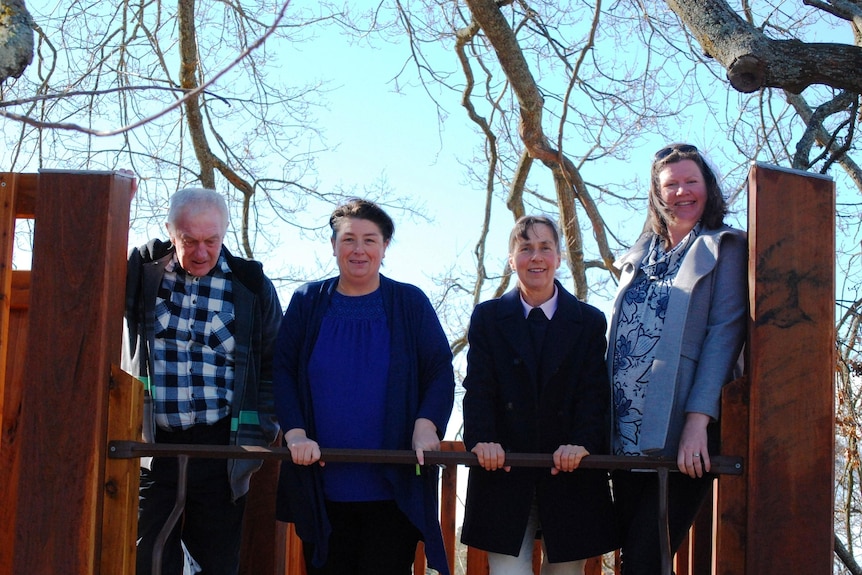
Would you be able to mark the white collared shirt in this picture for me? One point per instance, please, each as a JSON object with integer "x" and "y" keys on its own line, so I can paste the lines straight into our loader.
{"x": 549, "y": 307}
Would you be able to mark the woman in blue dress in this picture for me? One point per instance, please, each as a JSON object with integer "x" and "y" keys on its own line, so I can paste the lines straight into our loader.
{"x": 361, "y": 361}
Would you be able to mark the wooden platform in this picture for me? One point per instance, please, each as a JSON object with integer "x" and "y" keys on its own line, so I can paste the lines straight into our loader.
{"x": 62, "y": 399}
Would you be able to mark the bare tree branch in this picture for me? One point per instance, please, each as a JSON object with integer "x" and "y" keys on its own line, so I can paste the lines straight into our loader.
{"x": 754, "y": 61}
{"x": 190, "y": 94}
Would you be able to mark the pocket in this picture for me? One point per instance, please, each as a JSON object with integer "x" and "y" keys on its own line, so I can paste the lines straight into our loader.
{"x": 220, "y": 332}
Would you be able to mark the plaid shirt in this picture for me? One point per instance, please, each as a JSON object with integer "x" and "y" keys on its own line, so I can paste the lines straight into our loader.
{"x": 194, "y": 348}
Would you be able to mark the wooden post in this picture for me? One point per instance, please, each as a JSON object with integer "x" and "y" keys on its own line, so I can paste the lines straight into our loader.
{"x": 75, "y": 329}
{"x": 448, "y": 503}
{"x": 260, "y": 535}
{"x": 791, "y": 354}
{"x": 11, "y": 352}
{"x": 732, "y": 504}
{"x": 122, "y": 477}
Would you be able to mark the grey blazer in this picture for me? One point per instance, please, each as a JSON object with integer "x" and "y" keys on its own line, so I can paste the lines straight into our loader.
{"x": 703, "y": 333}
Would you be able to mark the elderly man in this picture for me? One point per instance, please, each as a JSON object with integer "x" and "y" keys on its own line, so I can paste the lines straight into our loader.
{"x": 201, "y": 324}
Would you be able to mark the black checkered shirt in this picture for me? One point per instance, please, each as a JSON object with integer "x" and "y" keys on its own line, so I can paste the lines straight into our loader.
{"x": 194, "y": 349}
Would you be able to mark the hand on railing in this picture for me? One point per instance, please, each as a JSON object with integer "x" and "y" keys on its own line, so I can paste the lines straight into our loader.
{"x": 424, "y": 438}
{"x": 491, "y": 456}
{"x": 568, "y": 458}
{"x": 303, "y": 451}
{"x": 721, "y": 464}
{"x": 693, "y": 456}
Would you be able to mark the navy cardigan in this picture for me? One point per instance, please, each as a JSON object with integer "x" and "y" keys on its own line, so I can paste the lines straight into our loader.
{"x": 421, "y": 384}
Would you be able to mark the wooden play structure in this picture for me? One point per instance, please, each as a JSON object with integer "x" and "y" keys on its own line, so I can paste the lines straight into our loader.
{"x": 68, "y": 506}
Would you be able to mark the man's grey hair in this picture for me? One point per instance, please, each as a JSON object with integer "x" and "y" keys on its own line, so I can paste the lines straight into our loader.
{"x": 192, "y": 201}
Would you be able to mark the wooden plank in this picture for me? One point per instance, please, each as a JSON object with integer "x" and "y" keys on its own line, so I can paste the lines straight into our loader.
{"x": 537, "y": 556}
{"x": 78, "y": 289}
{"x": 282, "y": 547}
{"x": 790, "y": 501}
{"x": 8, "y": 194}
{"x": 732, "y": 503}
{"x": 122, "y": 476}
{"x": 11, "y": 354}
{"x": 26, "y": 186}
{"x": 10, "y": 463}
{"x": 701, "y": 537}
{"x": 682, "y": 556}
{"x": 593, "y": 566}
{"x": 477, "y": 562}
{"x": 449, "y": 503}
{"x": 294, "y": 558}
{"x": 20, "y": 290}
{"x": 259, "y": 534}
{"x": 419, "y": 561}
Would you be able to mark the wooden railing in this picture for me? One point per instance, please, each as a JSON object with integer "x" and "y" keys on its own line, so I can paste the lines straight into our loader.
{"x": 451, "y": 455}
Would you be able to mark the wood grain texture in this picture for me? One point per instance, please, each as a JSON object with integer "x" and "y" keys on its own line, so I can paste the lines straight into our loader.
{"x": 792, "y": 340}
{"x": 74, "y": 334}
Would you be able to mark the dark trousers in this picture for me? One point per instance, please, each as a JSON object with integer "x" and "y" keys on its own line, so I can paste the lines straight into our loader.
{"x": 211, "y": 524}
{"x": 368, "y": 538}
{"x": 636, "y": 503}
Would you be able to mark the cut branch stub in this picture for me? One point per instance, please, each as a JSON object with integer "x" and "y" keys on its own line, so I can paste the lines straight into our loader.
{"x": 747, "y": 73}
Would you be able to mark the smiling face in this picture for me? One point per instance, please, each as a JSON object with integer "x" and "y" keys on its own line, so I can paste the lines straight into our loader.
{"x": 683, "y": 190}
{"x": 535, "y": 259}
{"x": 359, "y": 249}
{"x": 197, "y": 236}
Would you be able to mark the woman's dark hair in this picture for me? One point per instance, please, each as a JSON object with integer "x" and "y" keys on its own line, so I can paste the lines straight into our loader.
{"x": 363, "y": 210}
{"x": 660, "y": 213}
{"x": 522, "y": 228}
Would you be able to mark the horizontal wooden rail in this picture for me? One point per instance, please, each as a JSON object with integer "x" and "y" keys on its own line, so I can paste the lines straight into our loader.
{"x": 720, "y": 464}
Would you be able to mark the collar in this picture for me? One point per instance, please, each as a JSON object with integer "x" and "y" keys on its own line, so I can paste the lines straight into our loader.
{"x": 549, "y": 307}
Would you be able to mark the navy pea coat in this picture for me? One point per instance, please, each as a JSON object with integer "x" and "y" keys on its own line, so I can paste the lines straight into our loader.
{"x": 507, "y": 403}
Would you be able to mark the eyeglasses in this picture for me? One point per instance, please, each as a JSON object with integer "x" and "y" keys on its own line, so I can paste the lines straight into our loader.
{"x": 665, "y": 152}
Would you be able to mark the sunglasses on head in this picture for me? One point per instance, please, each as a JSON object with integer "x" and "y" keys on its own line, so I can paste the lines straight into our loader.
{"x": 665, "y": 152}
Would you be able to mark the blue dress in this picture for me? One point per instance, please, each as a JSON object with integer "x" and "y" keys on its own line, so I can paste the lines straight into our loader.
{"x": 347, "y": 373}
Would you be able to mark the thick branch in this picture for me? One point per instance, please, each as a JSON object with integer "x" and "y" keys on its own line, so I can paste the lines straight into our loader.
{"x": 188, "y": 80}
{"x": 489, "y": 17}
{"x": 846, "y": 557}
{"x": 754, "y": 61}
{"x": 16, "y": 39}
{"x": 815, "y": 131}
{"x": 464, "y": 36}
{"x": 568, "y": 182}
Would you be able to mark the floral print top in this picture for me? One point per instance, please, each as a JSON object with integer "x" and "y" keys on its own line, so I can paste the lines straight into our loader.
{"x": 639, "y": 326}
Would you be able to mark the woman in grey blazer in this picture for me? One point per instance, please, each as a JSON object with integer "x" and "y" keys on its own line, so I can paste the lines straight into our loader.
{"x": 677, "y": 329}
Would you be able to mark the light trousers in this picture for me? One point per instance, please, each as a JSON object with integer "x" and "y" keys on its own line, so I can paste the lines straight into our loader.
{"x": 501, "y": 564}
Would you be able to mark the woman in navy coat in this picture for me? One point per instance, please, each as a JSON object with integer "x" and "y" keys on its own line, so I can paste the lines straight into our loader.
{"x": 547, "y": 397}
